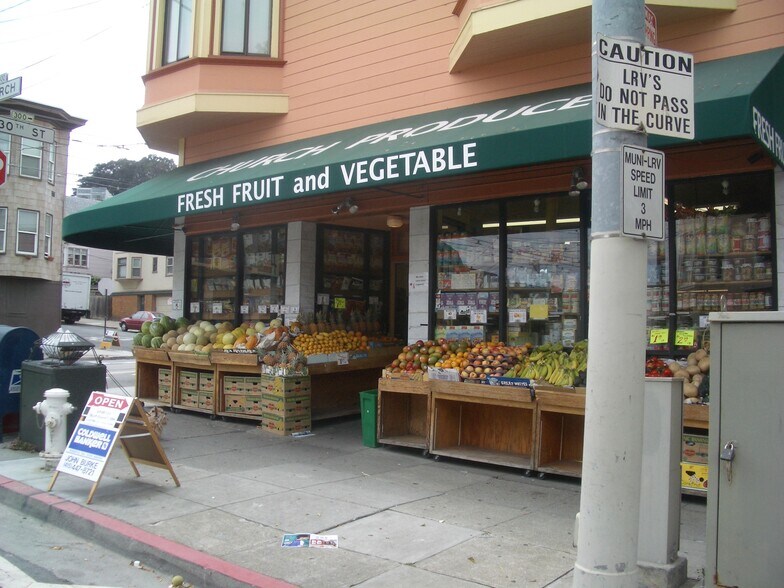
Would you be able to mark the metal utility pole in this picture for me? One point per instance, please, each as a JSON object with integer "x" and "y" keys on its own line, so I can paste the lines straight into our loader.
{"x": 612, "y": 455}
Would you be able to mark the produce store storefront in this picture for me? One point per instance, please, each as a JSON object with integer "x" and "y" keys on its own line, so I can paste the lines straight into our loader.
{"x": 496, "y": 220}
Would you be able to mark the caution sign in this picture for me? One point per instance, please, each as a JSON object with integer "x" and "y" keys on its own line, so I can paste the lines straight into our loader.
{"x": 644, "y": 89}
{"x": 105, "y": 420}
{"x": 110, "y": 339}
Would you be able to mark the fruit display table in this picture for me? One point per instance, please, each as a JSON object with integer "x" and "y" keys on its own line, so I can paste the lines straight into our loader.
{"x": 488, "y": 424}
{"x": 404, "y": 413}
{"x": 148, "y": 364}
{"x": 560, "y": 419}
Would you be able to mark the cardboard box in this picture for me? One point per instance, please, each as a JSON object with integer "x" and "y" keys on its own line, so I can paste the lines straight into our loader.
{"x": 234, "y": 402}
{"x": 206, "y": 400}
{"x": 694, "y": 476}
{"x": 414, "y": 376}
{"x": 206, "y": 382}
{"x": 164, "y": 377}
{"x": 695, "y": 449}
{"x": 189, "y": 398}
{"x": 253, "y": 385}
{"x": 189, "y": 380}
{"x": 286, "y": 407}
{"x": 288, "y": 386}
{"x": 253, "y": 405}
{"x": 233, "y": 384}
{"x": 283, "y": 426}
{"x": 164, "y": 393}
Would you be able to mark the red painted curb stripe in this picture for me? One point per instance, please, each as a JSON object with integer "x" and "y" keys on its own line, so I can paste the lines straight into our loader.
{"x": 161, "y": 544}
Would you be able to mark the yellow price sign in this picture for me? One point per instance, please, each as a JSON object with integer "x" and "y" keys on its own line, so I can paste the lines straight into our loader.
{"x": 339, "y": 302}
{"x": 659, "y": 336}
{"x": 684, "y": 338}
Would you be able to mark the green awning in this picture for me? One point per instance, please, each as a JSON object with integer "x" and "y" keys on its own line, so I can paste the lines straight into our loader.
{"x": 523, "y": 130}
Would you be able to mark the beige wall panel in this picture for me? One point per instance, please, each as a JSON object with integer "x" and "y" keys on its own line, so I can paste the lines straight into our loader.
{"x": 358, "y": 62}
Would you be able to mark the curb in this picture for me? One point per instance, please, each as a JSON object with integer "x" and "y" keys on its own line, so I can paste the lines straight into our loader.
{"x": 161, "y": 553}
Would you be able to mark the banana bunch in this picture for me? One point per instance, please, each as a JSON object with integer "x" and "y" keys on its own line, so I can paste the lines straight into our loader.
{"x": 550, "y": 363}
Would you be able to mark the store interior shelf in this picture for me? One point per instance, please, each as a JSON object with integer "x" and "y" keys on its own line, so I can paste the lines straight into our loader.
{"x": 728, "y": 285}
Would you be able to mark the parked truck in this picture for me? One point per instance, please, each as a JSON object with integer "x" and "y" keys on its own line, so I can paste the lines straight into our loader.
{"x": 76, "y": 297}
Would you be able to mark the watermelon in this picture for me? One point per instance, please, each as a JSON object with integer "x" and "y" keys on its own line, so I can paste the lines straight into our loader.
{"x": 156, "y": 342}
{"x": 137, "y": 339}
{"x": 147, "y": 340}
{"x": 181, "y": 322}
{"x": 146, "y": 327}
{"x": 157, "y": 330}
{"x": 167, "y": 323}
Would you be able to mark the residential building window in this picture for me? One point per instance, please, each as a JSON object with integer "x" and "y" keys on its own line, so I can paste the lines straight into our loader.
{"x": 122, "y": 268}
{"x": 32, "y": 156}
{"x": 27, "y": 232}
{"x": 155, "y": 265}
{"x": 76, "y": 256}
{"x": 5, "y": 147}
{"x": 50, "y": 169}
{"x": 48, "y": 226}
{"x": 169, "y": 266}
{"x": 247, "y": 27}
{"x": 178, "y": 31}
{"x": 136, "y": 267}
{"x": 3, "y": 228}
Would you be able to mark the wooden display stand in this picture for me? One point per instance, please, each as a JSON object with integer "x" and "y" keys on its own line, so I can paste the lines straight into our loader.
{"x": 488, "y": 424}
{"x": 148, "y": 362}
{"x": 189, "y": 362}
{"x": 560, "y": 419}
{"x": 404, "y": 413}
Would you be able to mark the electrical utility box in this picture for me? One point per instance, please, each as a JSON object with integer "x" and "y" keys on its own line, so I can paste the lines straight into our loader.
{"x": 745, "y": 518}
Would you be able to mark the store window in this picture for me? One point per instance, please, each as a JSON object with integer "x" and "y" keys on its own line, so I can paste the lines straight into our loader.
{"x": 543, "y": 270}
{"x": 724, "y": 254}
{"x": 48, "y": 227}
{"x": 263, "y": 273}
{"x": 136, "y": 267}
{"x": 122, "y": 268}
{"x": 27, "y": 232}
{"x": 178, "y": 30}
{"x": 50, "y": 167}
{"x": 76, "y": 256}
{"x": 3, "y": 227}
{"x": 213, "y": 278}
{"x": 169, "y": 266}
{"x": 351, "y": 279}
{"x": 247, "y": 27}
{"x": 31, "y": 159}
{"x": 468, "y": 267}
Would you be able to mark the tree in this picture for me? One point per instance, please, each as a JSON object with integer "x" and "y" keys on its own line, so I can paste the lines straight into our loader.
{"x": 121, "y": 174}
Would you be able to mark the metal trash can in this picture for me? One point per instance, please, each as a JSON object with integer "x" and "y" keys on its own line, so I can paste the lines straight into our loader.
{"x": 368, "y": 405}
{"x": 61, "y": 370}
{"x": 16, "y": 345}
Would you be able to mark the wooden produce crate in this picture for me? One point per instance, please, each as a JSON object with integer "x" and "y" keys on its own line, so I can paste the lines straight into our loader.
{"x": 218, "y": 356}
{"x": 487, "y": 424}
{"x": 404, "y": 413}
{"x": 560, "y": 428}
{"x": 189, "y": 358}
{"x": 147, "y": 354}
{"x": 695, "y": 416}
{"x": 148, "y": 377}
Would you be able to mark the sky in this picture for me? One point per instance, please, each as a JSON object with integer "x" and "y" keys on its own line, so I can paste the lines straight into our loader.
{"x": 86, "y": 57}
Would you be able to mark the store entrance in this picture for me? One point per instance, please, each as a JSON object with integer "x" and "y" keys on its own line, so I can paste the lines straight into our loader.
{"x": 400, "y": 280}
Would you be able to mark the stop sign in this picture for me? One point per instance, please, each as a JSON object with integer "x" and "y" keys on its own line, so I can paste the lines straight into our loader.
{"x": 3, "y": 162}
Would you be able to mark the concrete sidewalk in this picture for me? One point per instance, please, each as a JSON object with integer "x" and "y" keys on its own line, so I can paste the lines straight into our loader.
{"x": 402, "y": 519}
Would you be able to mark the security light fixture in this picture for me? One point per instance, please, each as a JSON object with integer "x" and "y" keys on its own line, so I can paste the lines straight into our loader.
{"x": 235, "y": 223}
{"x": 579, "y": 182}
{"x": 349, "y": 205}
{"x": 394, "y": 221}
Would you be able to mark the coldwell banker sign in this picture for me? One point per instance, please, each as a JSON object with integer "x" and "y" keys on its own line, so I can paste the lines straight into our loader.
{"x": 644, "y": 89}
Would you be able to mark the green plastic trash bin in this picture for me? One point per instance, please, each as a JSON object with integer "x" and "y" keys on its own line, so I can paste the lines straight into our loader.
{"x": 368, "y": 405}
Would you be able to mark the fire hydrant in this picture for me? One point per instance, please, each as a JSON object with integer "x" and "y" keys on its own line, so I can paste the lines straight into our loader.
{"x": 54, "y": 409}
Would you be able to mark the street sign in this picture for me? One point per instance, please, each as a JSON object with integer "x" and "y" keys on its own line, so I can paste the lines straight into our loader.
{"x": 10, "y": 88}
{"x": 642, "y": 192}
{"x": 27, "y": 130}
{"x": 3, "y": 166}
{"x": 21, "y": 116}
{"x": 644, "y": 89}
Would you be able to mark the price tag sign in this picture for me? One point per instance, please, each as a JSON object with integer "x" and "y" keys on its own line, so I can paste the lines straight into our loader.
{"x": 244, "y": 308}
{"x": 339, "y": 302}
{"x": 275, "y": 308}
{"x": 519, "y": 315}
{"x": 659, "y": 336}
{"x": 262, "y": 309}
{"x": 195, "y": 306}
{"x": 478, "y": 316}
{"x": 684, "y": 338}
{"x": 450, "y": 314}
{"x": 217, "y": 308}
{"x": 322, "y": 299}
{"x": 343, "y": 358}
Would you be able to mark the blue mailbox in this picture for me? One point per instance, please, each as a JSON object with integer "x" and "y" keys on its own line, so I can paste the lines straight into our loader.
{"x": 16, "y": 345}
